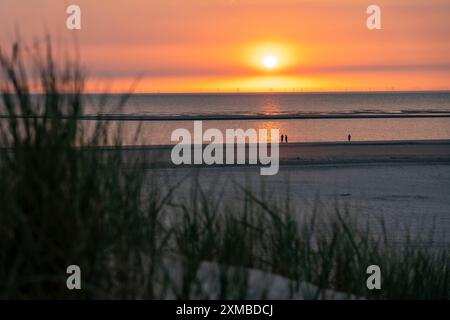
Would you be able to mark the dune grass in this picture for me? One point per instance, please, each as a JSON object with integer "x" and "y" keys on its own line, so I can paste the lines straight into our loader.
{"x": 64, "y": 202}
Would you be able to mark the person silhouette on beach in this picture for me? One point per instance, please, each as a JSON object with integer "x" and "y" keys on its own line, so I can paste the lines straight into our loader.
{"x": 349, "y": 137}
{"x": 286, "y": 139}
{"x": 282, "y": 138}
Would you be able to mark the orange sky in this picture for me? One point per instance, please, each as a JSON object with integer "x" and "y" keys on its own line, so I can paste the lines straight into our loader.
{"x": 218, "y": 45}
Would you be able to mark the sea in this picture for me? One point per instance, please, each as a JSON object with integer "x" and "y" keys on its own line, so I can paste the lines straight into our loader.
{"x": 150, "y": 119}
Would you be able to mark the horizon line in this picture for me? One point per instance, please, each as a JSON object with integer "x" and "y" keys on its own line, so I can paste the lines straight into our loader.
{"x": 266, "y": 92}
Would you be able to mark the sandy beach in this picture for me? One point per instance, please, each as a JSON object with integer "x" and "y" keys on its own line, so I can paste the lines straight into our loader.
{"x": 401, "y": 182}
{"x": 326, "y": 153}
{"x": 410, "y": 197}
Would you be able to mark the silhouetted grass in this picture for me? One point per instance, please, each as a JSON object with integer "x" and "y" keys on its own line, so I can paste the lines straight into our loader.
{"x": 64, "y": 201}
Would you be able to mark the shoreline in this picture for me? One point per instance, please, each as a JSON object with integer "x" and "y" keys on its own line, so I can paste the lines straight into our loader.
{"x": 308, "y": 153}
{"x": 243, "y": 117}
{"x": 238, "y": 117}
{"x": 312, "y": 144}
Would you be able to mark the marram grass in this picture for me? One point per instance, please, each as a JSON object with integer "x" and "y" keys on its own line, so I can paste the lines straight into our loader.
{"x": 64, "y": 202}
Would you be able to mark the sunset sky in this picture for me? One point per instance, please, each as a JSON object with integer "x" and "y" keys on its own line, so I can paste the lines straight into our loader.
{"x": 220, "y": 45}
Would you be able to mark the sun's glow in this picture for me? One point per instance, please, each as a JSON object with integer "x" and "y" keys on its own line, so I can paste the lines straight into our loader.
{"x": 270, "y": 61}
{"x": 270, "y": 56}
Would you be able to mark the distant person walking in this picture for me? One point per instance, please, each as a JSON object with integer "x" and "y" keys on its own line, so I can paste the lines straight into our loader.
{"x": 349, "y": 137}
{"x": 286, "y": 139}
{"x": 282, "y": 138}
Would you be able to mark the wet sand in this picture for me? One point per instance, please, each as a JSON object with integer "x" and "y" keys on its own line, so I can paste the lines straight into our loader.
{"x": 436, "y": 151}
{"x": 406, "y": 183}
{"x": 411, "y": 198}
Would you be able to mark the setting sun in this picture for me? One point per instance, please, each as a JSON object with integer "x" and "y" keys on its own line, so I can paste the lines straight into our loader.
{"x": 270, "y": 62}
{"x": 253, "y": 45}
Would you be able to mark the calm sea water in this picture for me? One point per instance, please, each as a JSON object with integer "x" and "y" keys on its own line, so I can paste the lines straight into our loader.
{"x": 274, "y": 104}
{"x": 182, "y": 106}
{"x": 178, "y": 110}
